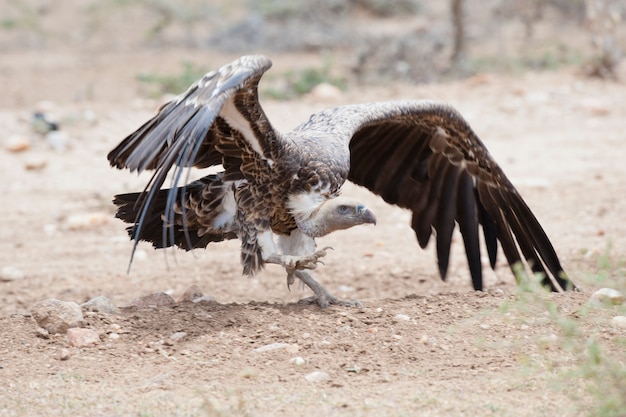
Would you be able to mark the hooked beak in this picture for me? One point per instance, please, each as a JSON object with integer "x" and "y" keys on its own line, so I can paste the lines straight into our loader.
{"x": 366, "y": 215}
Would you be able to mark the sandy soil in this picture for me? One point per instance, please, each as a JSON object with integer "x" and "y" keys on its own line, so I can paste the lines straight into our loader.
{"x": 418, "y": 347}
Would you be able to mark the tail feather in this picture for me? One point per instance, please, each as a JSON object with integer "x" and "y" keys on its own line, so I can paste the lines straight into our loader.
{"x": 192, "y": 224}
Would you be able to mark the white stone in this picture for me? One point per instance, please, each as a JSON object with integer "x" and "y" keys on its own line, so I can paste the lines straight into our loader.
{"x": 35, "y": 163}
{"x": 177, "y": 337}
{"x": 17, "y": 144}
{"x": 57, "y": 140}
{"x": 270, "y": 347}
{"x": 64, "y": 354}
{"x": 317, "y": 376}
{"x": 87, "y": 220}
{"x": 619, "y": 321}
{"x": 298, "y": 361}
{"x": 607, "y": 296}
{"x": 11, "y": 273}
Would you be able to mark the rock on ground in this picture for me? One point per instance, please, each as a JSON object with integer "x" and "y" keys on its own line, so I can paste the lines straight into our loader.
{"x": 607, "y": 296}
{"x": 78, "y": 337}
{"x": 11, "y": 273}
{"x": 57, "y": 316}
{"x": 101, "y": 304}
{"x": 152, "y": 300}
{"x": 191, "y": 293}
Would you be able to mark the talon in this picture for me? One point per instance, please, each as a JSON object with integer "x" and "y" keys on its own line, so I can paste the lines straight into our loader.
{"x": 291, "y": 278}
{"x": 322, "y": 297}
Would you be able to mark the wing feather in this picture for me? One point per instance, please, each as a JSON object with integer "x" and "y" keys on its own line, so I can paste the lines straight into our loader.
{"x": 198, "y": 128}
{"x": 424, "y": 156}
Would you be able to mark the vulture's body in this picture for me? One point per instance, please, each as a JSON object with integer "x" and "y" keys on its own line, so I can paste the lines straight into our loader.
{"x": 415, "y": 154}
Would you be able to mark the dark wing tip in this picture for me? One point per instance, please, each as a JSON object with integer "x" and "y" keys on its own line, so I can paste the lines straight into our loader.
{"x": 425, "y": 157}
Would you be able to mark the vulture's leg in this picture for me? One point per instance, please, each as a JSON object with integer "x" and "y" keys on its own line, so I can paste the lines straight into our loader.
{"x": 322, "y": 297}
{"x": 299, "y": 254}
{"x": 297, "y": 262}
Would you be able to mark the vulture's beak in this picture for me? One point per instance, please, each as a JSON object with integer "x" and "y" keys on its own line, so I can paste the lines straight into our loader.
{"x": 366, "y": 215}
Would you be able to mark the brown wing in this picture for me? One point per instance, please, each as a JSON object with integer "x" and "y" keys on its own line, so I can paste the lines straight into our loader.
{"x": 424, "y": 157}
{"x": 218, "y": 120}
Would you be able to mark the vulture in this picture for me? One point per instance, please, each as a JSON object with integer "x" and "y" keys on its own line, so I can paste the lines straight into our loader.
{"x": 276, "y": 192}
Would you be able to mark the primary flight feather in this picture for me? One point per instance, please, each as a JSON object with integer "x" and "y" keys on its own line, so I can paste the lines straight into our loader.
{"x": 419, "y": 155}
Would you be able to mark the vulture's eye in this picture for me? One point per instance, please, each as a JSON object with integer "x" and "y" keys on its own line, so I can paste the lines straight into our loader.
{"x": 343, "y": 209}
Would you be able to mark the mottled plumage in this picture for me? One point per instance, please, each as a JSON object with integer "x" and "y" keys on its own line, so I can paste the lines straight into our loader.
{"x": 419, "y": 155}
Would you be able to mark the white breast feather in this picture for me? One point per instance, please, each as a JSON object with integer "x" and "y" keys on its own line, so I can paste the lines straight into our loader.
{"x": 303, "y": 205}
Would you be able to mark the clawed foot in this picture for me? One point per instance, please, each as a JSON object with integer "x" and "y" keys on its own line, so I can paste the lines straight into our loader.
{"x": 322, "y": 297}
{"x": 292, "y": 263}
{"x": 295, "y": 263}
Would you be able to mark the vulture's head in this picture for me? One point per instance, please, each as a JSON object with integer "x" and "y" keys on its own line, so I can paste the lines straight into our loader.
{"x": 321, "y": 218}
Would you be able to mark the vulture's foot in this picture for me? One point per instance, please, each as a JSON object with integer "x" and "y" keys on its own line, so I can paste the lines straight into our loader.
{"x": 294, "y": 263}
{"x": 322, "y": 297}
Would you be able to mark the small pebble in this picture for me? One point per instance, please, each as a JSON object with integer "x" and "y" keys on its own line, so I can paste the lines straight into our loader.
{"x": 114, "y": 336}
{"x": 293, "y": 348}
{"x": 317, "y": 376}
{"x": 402, "y": 317}
{"x": 607, "y": 296}
{"x": 619, "y": 321}
{"x": 64, "y": 354}
{"x": 270, "y": 347}
{"x": 43, "y": 333}
{"x": 79, "y": 337}
{"x": 35, "y": 163}
{"x": 548, "y": 340}
{"x": 87, "y": 220}
{"x": 11, "y": 273}
{"x": 57, "y": 140}
{"x": 17, "y": 144}
{"x": 177, "y": 337}
{"x": 57, "y": 316}
{"x": 298, "y": 361}
{"x": 249, "y": 373}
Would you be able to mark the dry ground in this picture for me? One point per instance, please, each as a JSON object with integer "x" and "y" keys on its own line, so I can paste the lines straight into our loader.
{"x": 418, "y": 347}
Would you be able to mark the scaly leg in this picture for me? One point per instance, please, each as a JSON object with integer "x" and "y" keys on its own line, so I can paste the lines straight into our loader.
{"x": 322, "y": 297}
{"x": 297, "y": 262}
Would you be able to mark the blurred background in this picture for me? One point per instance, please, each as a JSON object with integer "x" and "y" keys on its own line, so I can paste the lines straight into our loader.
{"x": 163, "y": 45}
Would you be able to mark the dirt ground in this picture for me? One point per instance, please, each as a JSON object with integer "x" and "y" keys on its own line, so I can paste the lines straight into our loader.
{"x": 419, "y": 346}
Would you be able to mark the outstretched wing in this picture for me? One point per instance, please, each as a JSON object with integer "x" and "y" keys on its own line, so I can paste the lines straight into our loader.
{"x": 218, "y": 120}
{"x": 424, "y": 156}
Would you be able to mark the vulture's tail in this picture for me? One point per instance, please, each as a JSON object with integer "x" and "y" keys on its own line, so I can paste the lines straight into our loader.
{"x": 201, "y": 214}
